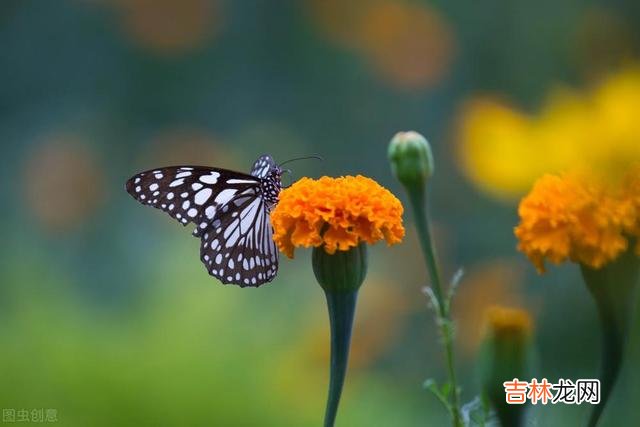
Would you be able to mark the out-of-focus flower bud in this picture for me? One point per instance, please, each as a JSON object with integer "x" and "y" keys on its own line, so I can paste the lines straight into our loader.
{"x": 505, "y": 357}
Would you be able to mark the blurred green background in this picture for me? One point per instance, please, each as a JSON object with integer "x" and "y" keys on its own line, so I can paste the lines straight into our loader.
{"x": 107, "y": 315}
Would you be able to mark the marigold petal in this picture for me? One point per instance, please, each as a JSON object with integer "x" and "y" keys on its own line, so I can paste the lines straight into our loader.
{"x": 337, "y": 213}
{"x": 570, "y": 217}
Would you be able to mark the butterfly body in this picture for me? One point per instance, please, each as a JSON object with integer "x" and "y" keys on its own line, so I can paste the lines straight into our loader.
{"x": 230, "y": 211}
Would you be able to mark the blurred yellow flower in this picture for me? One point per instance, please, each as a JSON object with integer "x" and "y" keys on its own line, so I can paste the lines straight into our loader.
{"x": 503, "y": 151}
{"x": 337, "y": 213}
{"x": 583, "y": 220}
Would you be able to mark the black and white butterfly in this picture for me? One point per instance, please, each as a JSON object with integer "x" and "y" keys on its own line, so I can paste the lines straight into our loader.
{"x": 230, "y": 210}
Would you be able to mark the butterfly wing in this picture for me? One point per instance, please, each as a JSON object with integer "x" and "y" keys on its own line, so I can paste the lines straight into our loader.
{"x": 190, "y": 194}
{"x": 263, "y": 166}
{"x": 238, "y": 248}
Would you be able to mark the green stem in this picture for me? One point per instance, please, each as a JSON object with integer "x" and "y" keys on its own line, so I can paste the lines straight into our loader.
{"x": 418, "y": 202}
{"x": 614, "y": 290}
{"x": 342, "y": 307}
{"x": 612, "y": 350}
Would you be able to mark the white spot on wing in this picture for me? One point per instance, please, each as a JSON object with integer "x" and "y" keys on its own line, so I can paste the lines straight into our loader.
{"x": 224, "y": 196}
{"x": 210, "y": 211}
{"x": 203, "y": 195}
{"x": 241, "y": 181}
{"x": 211, "y": 178}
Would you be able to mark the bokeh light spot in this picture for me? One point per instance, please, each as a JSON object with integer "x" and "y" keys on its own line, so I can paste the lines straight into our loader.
{"x": 410, "y": 45}
{"x": 170, "y": 27}
{"x": 64, "y": 184}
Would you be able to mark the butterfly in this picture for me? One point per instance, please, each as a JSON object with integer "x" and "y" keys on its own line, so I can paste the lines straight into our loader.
{"x": 229, "y": 209}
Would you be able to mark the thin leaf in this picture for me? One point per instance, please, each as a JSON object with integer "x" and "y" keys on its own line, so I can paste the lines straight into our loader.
{"x": 431, "y": 385}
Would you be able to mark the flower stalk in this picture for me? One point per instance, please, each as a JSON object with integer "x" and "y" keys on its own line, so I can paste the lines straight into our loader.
{"x": 340, "y": 275}
{"x": 613, "y": 288}
{"x": 342, "y": 306}
{"x": 412, "y": 164}
{"x": 441, "y": 304}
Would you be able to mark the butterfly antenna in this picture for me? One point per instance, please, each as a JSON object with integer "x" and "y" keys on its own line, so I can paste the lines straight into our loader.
{"x": 301, "y": 158}
{"x": 288, "y": 172}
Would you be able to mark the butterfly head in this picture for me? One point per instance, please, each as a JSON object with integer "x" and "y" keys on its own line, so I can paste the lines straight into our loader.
{"x": 270, "y": 174}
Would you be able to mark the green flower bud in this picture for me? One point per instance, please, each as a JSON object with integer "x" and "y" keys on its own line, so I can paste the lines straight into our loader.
{"x": 505, "y": 355}
{"x": 342, "y": 271}
{"x": 411, "y": 159}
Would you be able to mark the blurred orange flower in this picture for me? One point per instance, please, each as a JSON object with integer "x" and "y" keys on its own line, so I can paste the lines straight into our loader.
{"x": 580, "y": 219}
{"x": 187, "y": 146}
{"x": 409, "y": 45}
{"x": 169, "y": 27}
{"x": 337, "y": 213}
{"x": 338, "y": 19}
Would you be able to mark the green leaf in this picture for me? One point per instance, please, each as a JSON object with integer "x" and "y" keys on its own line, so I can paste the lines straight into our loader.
{"x": 445, "y": 389}
{"x": 441, "y": 393}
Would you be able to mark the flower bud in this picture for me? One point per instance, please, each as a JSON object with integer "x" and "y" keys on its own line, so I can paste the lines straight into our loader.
{"x": 505, "y": 355}
{"x": 342, "y": 271}
{"x": 411, "y": 159}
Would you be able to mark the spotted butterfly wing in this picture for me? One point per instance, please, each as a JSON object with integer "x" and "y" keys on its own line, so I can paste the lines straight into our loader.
{"x": 230, "y": 211}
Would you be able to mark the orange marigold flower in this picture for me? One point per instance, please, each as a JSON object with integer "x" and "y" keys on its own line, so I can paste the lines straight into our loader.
{"x": 337, "y": 213}
{"x": 569, "y": 217}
